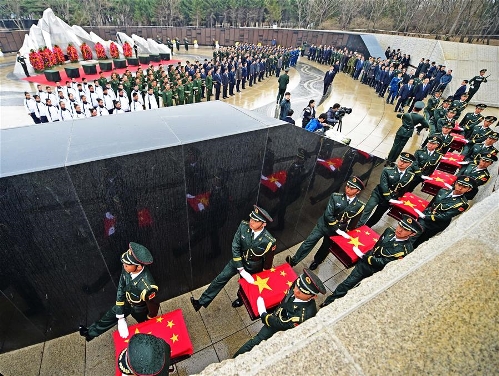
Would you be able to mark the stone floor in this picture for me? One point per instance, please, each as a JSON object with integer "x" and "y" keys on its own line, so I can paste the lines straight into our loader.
{"x": 216, "y": 332}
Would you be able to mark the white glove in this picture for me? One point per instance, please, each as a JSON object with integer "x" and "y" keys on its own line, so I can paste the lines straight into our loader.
{"x": 264, "y": 177}
{"x": 448, "y": 185}
{"x": 466, "y": 141}
{"x": 122, "y": 328}
{"x": 444, "y": 158}
{"x": 248, "y": 277}
{"x": 279, "y": 185}
{"x": 189, "y": 196}
{"x": 464, "y": 162}
{"x": 260, "y": 304}
{"x": 357, "y": 251}
{"x": 424, "y": 177}
{"x": 343, "y": 233}
{"x": 419, "y": 213}
{"x": 392, "y": 201}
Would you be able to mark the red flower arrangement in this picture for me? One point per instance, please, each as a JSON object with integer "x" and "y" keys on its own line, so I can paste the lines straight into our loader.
{"x": 49, "y": 59}
{"x": 113, "y": 50}
{"x": 127, "y": 49}
{"x": 86, "y": 52}
{"x": 100, "y": 51}
{"x": 59, "y": 55}
{"x": 72, "y": 53}
{"x": 36, "y": 60}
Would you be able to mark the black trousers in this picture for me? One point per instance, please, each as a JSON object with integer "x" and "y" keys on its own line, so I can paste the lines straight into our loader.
{"x": 35, "y": 118}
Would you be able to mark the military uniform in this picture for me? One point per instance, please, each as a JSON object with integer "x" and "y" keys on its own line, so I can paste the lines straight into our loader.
{"x": 471, "y": 119}
{"x": 409, "y": 122}
{"x": 136, "y": 294}
{"x": 431, "y": 106}
{"x": 253, "y": 255}
{"x": 425, "y": 163}
{"x": 472, "y": 151}
{"x": 179, "y": 95}
{"x": 209, "y": 87}
{"x": 167, "y": 98}
{"x": 387, "y": 249}
{"x": 189, "y": 92}
{"x": 340, "y": 214}
{"x": 290, "y": 312}
{"x": 475, "y": 83}
{"x": 481, "y": 176}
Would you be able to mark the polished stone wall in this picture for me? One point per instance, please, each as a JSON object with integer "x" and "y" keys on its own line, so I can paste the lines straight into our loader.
{"x": 63, "y": 227}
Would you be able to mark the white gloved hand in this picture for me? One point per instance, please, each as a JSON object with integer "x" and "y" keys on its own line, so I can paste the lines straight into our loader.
{"x": 357, "y": 251}
{"x": 260, "y": 304}
{"x": 122, "y": 328}
{"x": 444, "y": 158}
{"x": 466, "y": 141}
{"x": 343, "y": 233}
{"x": 189, "y": 195}
{"x": 248, "y": 277}
{"x": 392, "y": 201}
{"x": 448, "y": 185}
{"x": 264, "y": 177}
{"x": 424, "y": 177}
{"x": 419, "y": 213}
{"x": 464, "y": 162}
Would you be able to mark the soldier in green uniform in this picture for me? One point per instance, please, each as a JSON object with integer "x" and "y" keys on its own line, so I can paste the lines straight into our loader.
{"x": 179, "y": 93}
{"x": 409, "y": 122}
{"x": 102, "y": 80}
{"x": 393, "y": 183}
{"x": 471, "y": 119}
{"x": 135, "y": 296}
{"x": 252, "y": 251}
{"x": 445, "y": 137}
{"x": 341, "y": 214}
{"x": 460, "y": 105}
{"x": 481, "y": 132}
{"x": 448, "y": 203}
{"x": 189, "y": 91}
{"x": 197, "y": 84}
{"x": 448, "y": 118}
{"x": 471, "y": 151}
{"x": 167, "y": 96}
{"x": 145, "y": 355}
{"x": 283, "y": 81}
{"x": 209, "y": 85}
{"x": 297, "y": 306}
{"x": 426, "y": 161}
{"x": 392, "y": 245}
{"x": 430, "y": 108}
{"x": 438, "y": 114}
{"x": 479, "y": 172}
{"x": 475, "y": 83}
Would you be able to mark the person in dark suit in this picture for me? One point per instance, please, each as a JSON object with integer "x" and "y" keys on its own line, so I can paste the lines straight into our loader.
{"x": 405, "y": 92}
{"x": 328, "y": 79}
{"x": 420, "y": 92}
{"x": 460, "y": 90}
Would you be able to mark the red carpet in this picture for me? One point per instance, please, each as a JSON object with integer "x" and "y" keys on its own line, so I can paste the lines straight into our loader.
{"x": 40, "y": 78}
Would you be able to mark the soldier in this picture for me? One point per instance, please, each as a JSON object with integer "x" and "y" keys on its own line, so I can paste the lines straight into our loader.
{"x": 22, "y": 60}
{"x": 283, "y": 84}
{"x": 197, "y": 87}
{"x": 448, "y": 118}
{"x": 145, "y": 354}
{"x": 479, "y": 172}
{"x": 341, "y": 215}
{"x": 426, "y": 161}
{"x": 297, "y": 306}
{"x": 430, "y": 108}
{"x": 189, "y": 91}
{"x": 409, "y": 121}
{"x": 445, "y": 137}
{"x": 471, "y": 151}
{"x": 480, "y": 132}
{"x": 448, "y": 203}
{"x": 392, "y": 245}
{"x": 460, "y": 105}
{"x": 252, "y": 251}
{"x": 471, "y": 119}
{"x": 475, "y": 83}
{"x": 135, "y": 296}
{"x": 394, "y": 182}
{"x": 179, "y": 93}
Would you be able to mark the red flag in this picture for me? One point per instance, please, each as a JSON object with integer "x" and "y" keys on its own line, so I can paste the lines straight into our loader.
{"x": 458, "y": 141}
{"x": 409, "y": 203}
{"x": 272, "y": 285}
{"x": 199, "y": 202}
{"x": 274, "y": 181}
{"x": 109, "y": 224}
{"x": 437, "y": 182}
{"x": 170, "y": 326}
{"x": 144, "y": 218}
{"x": 331, "y": 164}
{"x": 363, "y": 237}
{"x": 449, "y": 162}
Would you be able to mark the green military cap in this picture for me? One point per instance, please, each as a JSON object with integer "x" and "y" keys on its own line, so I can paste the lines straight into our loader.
{"x": 491, "y": 119}
{"x": 488, "y": 157}
{"x": 355, "y": 182}
{"x": 260, "y": 215}
{"x": 483, "y": 70}
{"x": 435, "y": 140}
{"x": 145, "y": 355}
{"x": 453, "y": 110}
{"x": 410, "y": 224}
{"x": 419, "y": 105}
{"x": 493, "y": 135}
{"x": 137, "y": 255}
{"x": 407, "y": 157}
{"x": 466, "y": 181}
{"x": 448, "y": 125}
{"x": 481, "y": 106}
{"x": 447, "y": 101}
{"x": 308, "y": 283}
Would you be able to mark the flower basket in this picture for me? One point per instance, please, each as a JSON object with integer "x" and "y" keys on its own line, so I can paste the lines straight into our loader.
{"x": 59, "y": 55}
{"x": 127, "y": 49}
{"x": 100, "y": 51}
{"x": 113, "y": 50}
{"x": 72, "y": 53}
{"x": 48, "y": 57}
{"x": 86, "y": 52}
{"x": 36, "y": 61}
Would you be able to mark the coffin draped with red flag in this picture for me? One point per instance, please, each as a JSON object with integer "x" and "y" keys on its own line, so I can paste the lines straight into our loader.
{"x": 437, "y": 182}
{"x": 272, "y": 285}
{"x": 449, "y": 162}
{"x": 170, "y": 327}
{"x": 327, "y": 166}
{"x": 409, "y": 202}
{"x": 274, "y": 181}
{"x": 363, "y": 237}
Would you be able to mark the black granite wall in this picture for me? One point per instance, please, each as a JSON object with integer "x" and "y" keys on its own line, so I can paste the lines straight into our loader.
{"x": 62, "y": 230}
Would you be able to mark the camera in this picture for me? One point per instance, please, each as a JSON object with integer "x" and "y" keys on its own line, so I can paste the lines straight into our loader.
{"x": 342, "y": 111}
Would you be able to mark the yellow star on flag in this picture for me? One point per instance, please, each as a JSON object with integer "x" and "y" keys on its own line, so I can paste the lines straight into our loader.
{"x": 408, "y": 203}
{"x": 285, "y": 292}
{"x": 137, "y": 330}
{"x": 355, "y": 242}
{"x": 367, "y": 233}
{"x": 452, "y": 159}
{"x": 331, "y": 163}
{"x": 126, "y": 341}
{"x": 174, "y": 338}
{"x": 273, "y": 180}
{"x": 159, "y": 319}
{"x": 375, "y": 239}
{"x": 204, "y": 200}
{"x": 170, "y": 324}
{"x": 283, "y": 273}
{"x": 440, "y": 180}
{"x": 289, "y": 283}
{"x": 262, "y": 284}
{"x": 272, "y": 270}
{"x": 357, "y": 230}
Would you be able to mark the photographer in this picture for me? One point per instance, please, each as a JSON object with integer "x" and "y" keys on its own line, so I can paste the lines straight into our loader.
{"x": 318, "y": 125}
{"x": 332, "y": 114}
{"x": 308, "y": 113}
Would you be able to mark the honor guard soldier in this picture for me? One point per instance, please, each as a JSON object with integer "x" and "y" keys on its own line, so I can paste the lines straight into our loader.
{"x": 136, "y": 295}
{"x": 440, "y": 112}
{"x": 392, "y": 245}
{"x": 471, "y": 151}
{"x": 426, "y": 161}
{"x": 341, "y": 215}
{"x": 393, "y": 183}
{"x": 447, "y": 204}
{"x": 252, "y": 251}
{"x": 145, "y": 355}
{"x": 479, "y": 172}
{"x": 446, "y": 138}
{"x": 471, "y": 119}
{"x": 22, "y": 60}
{"x": 475, "y": 83}
{"x": 297, "y": 306}
{"x": 460, "y": 105}
{"x": 482, "y": 131}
